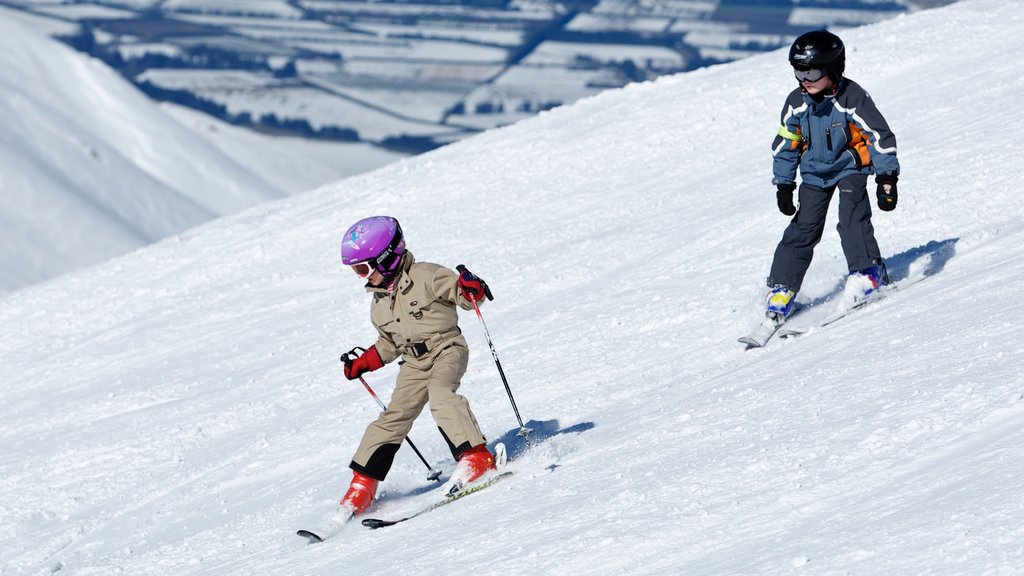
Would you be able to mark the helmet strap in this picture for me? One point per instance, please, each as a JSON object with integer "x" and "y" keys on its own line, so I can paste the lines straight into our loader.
{"x": 391, "y": 276}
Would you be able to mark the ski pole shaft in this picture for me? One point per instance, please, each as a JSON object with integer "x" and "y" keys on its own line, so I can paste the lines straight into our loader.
{"x": 497, "y": 363}
{"x": 523, "y": 430}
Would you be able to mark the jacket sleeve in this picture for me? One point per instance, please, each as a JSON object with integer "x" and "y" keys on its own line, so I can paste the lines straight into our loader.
{"x": 446, "y": 287}
{"x": 789, "y": 143}
{"x": 881, "y": 141}
{"x": 386, "y": 349}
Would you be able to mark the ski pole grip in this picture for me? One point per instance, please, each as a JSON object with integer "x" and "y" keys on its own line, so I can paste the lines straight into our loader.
{"x": 352, "y": 354}
{"x": 487, "y": 289}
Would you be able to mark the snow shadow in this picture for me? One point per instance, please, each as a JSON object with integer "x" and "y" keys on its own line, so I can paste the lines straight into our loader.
{"x": 540, "y": 431}
{"x": 933, "y": 256}
{"x": 926, "y": 260}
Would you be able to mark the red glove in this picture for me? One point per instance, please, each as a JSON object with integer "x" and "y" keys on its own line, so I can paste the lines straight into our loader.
{"x": 472, "y": 287}
{"x": 368, "y": 361}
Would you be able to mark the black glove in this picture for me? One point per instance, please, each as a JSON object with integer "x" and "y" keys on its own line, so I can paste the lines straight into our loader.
{"x": 886, "y": 191}
{"x": 471, "y": 286}
{"x": 785, "y": 198}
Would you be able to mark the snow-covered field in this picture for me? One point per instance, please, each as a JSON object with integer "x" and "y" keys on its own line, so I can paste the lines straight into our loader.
{"x": 416, "y": 70}
{"x": 241, "y": 91}
{"x": 181, "y": 410}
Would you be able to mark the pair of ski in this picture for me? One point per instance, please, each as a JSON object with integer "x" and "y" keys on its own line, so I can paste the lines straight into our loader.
{"x": 808, "y": 320}
{"x": 338, "y": 522}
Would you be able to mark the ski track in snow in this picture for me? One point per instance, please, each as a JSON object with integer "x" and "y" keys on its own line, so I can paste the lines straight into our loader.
{"x": 181, "y": 410}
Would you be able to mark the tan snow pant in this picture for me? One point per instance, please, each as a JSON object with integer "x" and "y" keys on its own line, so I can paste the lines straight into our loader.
{"x": 413, "y": 390}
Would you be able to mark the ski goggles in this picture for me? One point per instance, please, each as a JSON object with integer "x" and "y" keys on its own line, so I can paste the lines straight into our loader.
{"x": 362, "y": 269}
{"x": 804, "y": 74}
{"x": 385, "y": 262}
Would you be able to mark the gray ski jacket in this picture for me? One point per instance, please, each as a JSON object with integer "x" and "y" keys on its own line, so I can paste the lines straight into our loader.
{"x": 832, "y": 137}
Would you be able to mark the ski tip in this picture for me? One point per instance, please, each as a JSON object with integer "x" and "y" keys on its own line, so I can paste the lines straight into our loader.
{"x": 312, "y": 537}
{"x": 374, "y": 523}
{"x": 749, "y": 342}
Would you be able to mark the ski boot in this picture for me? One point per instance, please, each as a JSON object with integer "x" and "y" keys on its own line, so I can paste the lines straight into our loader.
{"x": 861, "y": 283}
{"x": 360, "y": 493}
{"x": 473, "y": 464}
{"x": 780, "y": 303}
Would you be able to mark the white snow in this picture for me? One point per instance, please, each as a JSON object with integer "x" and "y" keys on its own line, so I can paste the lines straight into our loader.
{"x": 242, "y": 91}
{"x": 181, "y": 410}
{"x": 291, "y": 164}
{"x": 84, "y": 11}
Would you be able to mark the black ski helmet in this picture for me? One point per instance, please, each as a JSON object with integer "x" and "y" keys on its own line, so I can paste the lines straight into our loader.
{"x": 819, "y": 49}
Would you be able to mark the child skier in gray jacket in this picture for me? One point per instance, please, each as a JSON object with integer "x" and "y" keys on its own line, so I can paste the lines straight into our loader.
{"x": 835, "y": 136}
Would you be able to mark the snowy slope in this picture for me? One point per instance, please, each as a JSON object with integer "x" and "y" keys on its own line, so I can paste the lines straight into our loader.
{"x": 181, "y": 410}
{"x": 90, "y": 168}
{"x": 288, "y": 163}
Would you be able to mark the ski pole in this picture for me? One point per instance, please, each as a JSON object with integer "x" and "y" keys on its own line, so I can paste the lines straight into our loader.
{"x": 434, "y": 473}
{"x": 523, "y": 430}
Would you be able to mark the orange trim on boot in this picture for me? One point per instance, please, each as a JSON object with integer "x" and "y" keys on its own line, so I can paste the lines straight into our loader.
{"x": 360, "y": 493}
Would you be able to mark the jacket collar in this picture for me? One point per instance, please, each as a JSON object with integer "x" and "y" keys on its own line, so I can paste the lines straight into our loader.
{"x": 402, "y": 281}
{"x": 825, "y": 99}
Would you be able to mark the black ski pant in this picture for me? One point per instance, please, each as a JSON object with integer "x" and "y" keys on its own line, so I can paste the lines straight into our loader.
{"x": 857, "y": 235}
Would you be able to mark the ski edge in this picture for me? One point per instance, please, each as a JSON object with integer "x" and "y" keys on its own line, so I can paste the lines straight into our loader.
{"x": 375, "y": 523}
{"x": 837, "y": 315}
{"x": 760, "y": 336}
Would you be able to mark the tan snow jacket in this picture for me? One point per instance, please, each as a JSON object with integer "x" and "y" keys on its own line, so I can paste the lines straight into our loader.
{"x": 418, "y": 319}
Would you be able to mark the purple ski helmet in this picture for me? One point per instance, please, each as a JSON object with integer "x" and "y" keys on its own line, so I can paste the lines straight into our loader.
{"x": 376, "y": 242}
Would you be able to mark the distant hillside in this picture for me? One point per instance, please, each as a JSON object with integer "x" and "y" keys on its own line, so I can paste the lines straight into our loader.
{"x": 91, "y": 168}
{"x": 411, "y": 76}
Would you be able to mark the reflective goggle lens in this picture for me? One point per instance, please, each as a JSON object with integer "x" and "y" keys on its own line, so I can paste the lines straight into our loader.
{"x": 808, "y": 74}
{"x": 361, "y": 269}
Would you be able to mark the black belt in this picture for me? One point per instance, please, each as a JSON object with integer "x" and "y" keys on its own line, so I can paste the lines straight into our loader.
{"x": 417, "y": 349}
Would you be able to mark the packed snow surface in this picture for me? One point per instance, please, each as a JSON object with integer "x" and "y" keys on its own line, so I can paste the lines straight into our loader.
{"x": 181, "y": 410}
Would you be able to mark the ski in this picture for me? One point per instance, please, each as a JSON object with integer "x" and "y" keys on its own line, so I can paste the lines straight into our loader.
{"x": 332, "y": 528}
{"x": 764, "y": 331}
{"x": 844, "y": 308}
{"x": 374, "y": 523}
{"x": 342, "y": 517}
{"x": 841, "y": 311}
